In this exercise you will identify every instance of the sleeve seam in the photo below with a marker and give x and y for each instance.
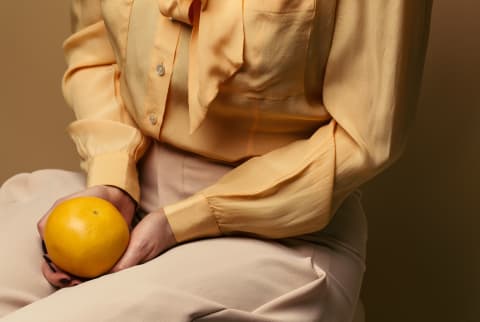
(213, 211)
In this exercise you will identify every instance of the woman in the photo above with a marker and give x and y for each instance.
(241, 130)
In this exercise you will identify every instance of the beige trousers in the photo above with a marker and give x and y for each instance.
(313, 278)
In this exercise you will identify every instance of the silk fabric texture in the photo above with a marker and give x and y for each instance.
(310, 98)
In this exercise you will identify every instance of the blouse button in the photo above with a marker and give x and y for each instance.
(160, 70)
(153, 119)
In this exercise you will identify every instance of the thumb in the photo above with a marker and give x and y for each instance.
(134, 254)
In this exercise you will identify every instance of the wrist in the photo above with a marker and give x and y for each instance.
(116, 193)
(121, 199)
(167, 233)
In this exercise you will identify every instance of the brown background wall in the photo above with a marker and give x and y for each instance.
(424, 212)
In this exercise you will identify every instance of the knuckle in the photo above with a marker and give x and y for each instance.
(41, 226)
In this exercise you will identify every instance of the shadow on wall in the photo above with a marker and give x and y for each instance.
(424, 214)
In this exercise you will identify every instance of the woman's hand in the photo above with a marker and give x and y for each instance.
(152, 236)
(120, 199)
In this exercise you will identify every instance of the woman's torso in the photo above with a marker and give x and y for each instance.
(271, 97)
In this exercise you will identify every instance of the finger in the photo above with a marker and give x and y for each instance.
(134, 255)
(56, 277)
(44, 247)
(149, 238)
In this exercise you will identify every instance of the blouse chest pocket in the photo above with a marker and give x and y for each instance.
(275, 49)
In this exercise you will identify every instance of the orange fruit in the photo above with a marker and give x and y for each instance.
(86, 236)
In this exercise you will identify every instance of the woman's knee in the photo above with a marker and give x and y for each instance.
(25, 186)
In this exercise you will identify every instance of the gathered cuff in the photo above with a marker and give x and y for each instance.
(192, 218)
(116, 169)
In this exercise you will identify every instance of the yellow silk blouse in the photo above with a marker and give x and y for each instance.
(310, 98)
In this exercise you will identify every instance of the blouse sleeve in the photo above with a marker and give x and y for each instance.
(370, 89)
(106, 138)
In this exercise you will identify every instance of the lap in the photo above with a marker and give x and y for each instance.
(241, 279)
(24, 198)
(221, 279)
(41, 185)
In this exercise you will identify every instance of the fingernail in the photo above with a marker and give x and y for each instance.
(49, 263)
(65, 281)
(44, 247)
